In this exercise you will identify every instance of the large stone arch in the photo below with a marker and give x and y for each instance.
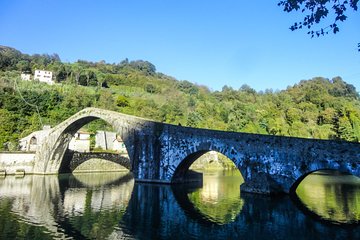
(50, 153)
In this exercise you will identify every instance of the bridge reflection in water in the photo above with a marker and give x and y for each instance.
(101, 206)
(338, 195)
(219, 198)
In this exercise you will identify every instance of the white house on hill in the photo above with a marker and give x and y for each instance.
(43, 76)
(26, 76)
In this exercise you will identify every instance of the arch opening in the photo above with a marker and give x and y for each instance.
(92, 144)
(33, 141)
(99, 165)
(199, 162)
(218, 200)
(329, 195)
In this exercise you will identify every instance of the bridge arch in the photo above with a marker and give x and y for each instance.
(179, 175)
(66, 135)
(50, 155)
(297, 182)
(78, 158)
(321, 165)
(181, 195)
(315, 191)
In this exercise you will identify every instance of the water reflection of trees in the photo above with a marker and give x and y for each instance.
(219, 198)
(331, 196)
(12, 226)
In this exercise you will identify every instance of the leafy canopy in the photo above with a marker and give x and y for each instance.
(316, 11)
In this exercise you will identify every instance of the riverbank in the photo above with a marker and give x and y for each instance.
(17, 163)
(21, 163)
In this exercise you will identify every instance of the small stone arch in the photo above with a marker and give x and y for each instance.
(179, 175)
(306, 210)
(33, 141)
(297, 182)
(79, 158)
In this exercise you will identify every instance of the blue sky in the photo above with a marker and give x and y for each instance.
(213, 43)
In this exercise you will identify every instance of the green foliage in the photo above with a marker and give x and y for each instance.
(316, 108)
(317, 12)
(151, 88)
(12, 226)
(122, 101)
(194, 119)
(105, 100)
(8, 128)
(187, 87)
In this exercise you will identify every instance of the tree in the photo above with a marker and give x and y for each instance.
(144, 66)
(8, 127)
(23, 66)
(76, 69)
(122, 101)
(106, 100)
(194, 119)
(318, 10)
(150, 88)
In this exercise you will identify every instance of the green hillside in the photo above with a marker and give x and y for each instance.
(316, 108)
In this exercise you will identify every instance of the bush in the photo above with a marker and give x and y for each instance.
(122, 101)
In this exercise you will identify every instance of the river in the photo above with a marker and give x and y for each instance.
(113, 206)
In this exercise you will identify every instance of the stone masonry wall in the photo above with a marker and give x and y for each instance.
(11, 162)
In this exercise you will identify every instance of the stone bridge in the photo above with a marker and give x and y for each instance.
(162, 153)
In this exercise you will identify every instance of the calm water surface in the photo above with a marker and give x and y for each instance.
(331, 196)
(112, 206)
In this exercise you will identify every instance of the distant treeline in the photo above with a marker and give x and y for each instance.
(316, 108)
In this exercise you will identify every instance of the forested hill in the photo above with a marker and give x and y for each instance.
(316, 108)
